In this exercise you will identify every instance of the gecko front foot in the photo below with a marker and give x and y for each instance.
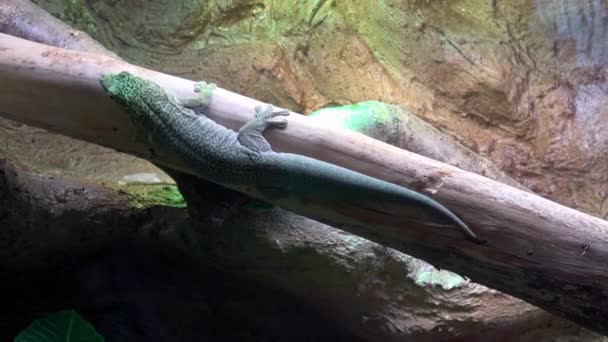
(205, 91)
(201, 101)
(271, 118)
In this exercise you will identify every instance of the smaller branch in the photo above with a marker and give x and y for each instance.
(17, 16)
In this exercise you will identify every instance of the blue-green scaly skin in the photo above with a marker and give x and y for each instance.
(215, 154)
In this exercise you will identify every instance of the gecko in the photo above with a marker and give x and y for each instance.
(244, 161)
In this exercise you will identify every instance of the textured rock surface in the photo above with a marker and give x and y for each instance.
(42, 151)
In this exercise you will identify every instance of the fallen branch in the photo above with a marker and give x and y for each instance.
(23, 18)
(540, 251)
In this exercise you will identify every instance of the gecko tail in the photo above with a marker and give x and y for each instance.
(463, 226)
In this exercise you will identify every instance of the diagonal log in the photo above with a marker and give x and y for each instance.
(545, 253)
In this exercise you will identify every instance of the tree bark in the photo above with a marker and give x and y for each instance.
(17, 16)
(545, 253)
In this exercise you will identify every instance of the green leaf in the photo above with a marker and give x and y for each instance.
(62, 326)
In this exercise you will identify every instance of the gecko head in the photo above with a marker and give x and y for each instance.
(120, 86)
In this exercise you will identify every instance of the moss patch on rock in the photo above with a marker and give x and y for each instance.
(147, 195)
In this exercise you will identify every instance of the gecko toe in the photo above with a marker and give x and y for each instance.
(202, 87)
(263, 112)
(283, 112)
(277, 123)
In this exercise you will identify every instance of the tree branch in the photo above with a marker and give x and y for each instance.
(17, 18)
(540, 251)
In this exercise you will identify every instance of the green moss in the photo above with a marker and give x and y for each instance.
(359, 116)
(74, 12)
(430, 276)
(147, 195)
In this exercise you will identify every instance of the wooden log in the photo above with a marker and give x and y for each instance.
(540, 251)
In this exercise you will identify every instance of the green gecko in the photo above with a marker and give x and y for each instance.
(244, 161)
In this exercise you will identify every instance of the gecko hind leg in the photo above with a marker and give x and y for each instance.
(270, 118)
(250, 135)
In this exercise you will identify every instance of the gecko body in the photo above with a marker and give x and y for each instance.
(244, 161)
